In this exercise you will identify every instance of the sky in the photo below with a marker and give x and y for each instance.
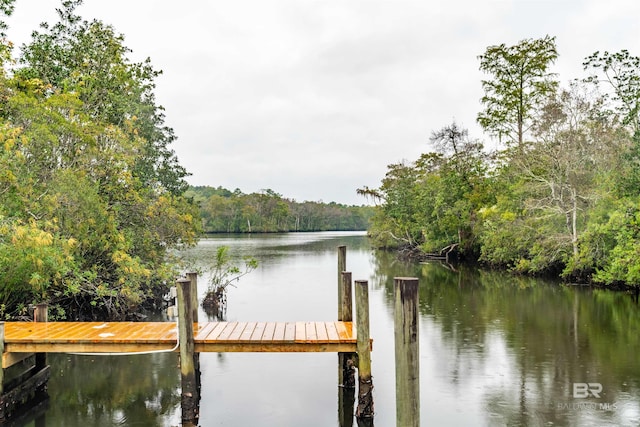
(313, 99)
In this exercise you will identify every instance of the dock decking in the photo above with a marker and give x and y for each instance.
(122, 337)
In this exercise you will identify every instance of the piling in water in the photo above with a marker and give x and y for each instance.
(190, 397)
(365, 390)
(346, 361)
(407, 351)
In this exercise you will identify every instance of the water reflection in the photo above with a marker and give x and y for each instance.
(512, 348)
(495, 349)
(113, 390)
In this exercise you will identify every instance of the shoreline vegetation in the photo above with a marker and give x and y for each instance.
(559, 197)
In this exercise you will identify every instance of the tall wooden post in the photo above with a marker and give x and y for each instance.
(41, 314)
(190, 398)
(365, 391)
(346, 368)
(342, 266)
(346, 363)
(193, 279)
(407, 351)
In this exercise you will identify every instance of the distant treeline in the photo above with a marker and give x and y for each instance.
(225, 211)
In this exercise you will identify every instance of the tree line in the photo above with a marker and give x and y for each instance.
(225, 211)
(91, 194)
(561, 194)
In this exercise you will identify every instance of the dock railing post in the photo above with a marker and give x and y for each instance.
(346, 362)
(41, 314)
(342, 266)
(407, 351)
(190, 397)
(365, 383)
(193, 279)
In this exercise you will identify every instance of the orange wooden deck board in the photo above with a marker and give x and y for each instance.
(246, 333)
(237, 336)
(215, 333)
(237, 332)
(345, 331)
(226, 333)
(202, 330)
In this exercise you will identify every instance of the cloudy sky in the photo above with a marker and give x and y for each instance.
(314, 98)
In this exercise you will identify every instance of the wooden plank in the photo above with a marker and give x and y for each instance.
(217, 331)
(345, 331)
(311, 334)
(301, 335)
(228, 330)
(321, 331)
(248, 330)
(10, 359)
(264, 347)
(201, 330)
(279, 333)
(258, 331)
(290, 332)
(237, 332)
(212, 329)
(269, 332)
(332, 332)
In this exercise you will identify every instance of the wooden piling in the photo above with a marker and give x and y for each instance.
(407, 351)
(346, 361)
(365, 391)
(41, 314)
(342, 266)
(193, 279)
(189, 397)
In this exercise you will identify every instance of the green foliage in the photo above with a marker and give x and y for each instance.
(91, 198)
(564, 201)
(611, 245)
(433, 202)
(519, 85)
(224, 272)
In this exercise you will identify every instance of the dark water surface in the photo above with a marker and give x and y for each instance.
(495, 349)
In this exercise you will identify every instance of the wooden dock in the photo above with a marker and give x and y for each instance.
(125, 337)
(24, 346)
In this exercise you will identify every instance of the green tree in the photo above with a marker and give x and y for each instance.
(91, 226)
(519, 85)
(619, 73)
(90, 60)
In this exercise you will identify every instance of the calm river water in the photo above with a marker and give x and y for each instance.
(496, 350)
